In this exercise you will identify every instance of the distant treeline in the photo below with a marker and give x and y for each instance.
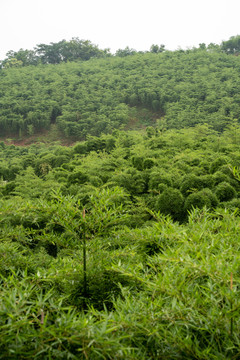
(76, 49)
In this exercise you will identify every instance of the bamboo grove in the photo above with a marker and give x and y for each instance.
(125, 243)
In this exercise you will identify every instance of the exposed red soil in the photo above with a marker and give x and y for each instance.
(41, 137)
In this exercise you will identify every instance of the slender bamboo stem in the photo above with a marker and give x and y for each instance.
(84, 259)
(231, 288)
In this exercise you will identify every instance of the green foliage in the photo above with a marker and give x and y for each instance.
(232, 205)
(77, 177)
(157, 49)
(220, 177)
(125, 52)
(148, 163)
(132, 180)
(171, 202)
(231, 46)
(190, 184)
(152, 288)
(54, 53)
(200, 199)
(29, 185)
(224, 191)
(159, 177)
(81, 98)
(138, 162)
(80, 148)
(217, 164)
(121, 246)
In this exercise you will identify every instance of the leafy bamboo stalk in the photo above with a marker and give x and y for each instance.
(84, 257)
(231, 288)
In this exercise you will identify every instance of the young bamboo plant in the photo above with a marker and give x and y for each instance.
(105, 213)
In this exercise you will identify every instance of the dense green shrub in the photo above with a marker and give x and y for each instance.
(148, 163)
(200, 199)
(8, 188)
(80, 148)
(195, 161)
(157, 177)
(183, 167)
(219, 177)
(204, 166)
(232, 205)
(77, 177)
(104, 285)
(95, 144)
(95, 181)
(224, 191)
(171, 202)
(207, 181)
(132, 180)
(191, 183)
(225, 169)
(138, 162)
(218, 163)
(162, 187)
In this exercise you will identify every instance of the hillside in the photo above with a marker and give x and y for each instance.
(123, 243)
(99, 95)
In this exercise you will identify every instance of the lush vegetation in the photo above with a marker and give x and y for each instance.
(122, 247)
(99, 95)
(125, 244)
(54, 53)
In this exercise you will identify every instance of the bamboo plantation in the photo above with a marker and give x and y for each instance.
(124, 244)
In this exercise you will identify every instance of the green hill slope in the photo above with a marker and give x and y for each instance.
(99, 95)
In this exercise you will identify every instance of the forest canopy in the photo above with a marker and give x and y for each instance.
(182, 88)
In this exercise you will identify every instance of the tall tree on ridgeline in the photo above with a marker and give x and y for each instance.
(54, 53)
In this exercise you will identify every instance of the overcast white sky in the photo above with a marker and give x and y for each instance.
(116, 24)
